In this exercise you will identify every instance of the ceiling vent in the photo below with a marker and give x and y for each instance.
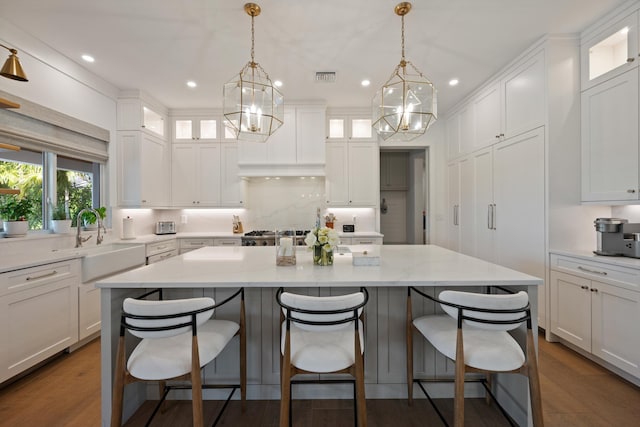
(326, 76)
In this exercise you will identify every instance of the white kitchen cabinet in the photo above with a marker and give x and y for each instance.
(508, 106)
(496, 194)
(143, 160)
(229, 241)
(352, 174)
(137, 114)
(609, 51)
(460, 132)
(205, 175)
(350, 126)
(191, 244)
(197, 128)
(195, 175)
(594, 310)
(361, 240)
(38, 314)
(159, 251)
(296, 149)
(609, 119)
(89, 321)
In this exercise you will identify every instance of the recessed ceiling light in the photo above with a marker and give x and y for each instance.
(278, 83)
(454, 82)
(365, 83)
(192, 84)
(88, 58)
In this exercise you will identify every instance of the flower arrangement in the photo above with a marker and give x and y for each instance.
(323, 242)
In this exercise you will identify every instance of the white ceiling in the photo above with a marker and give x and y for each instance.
(157, 45)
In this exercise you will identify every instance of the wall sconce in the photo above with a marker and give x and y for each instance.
(12, 68)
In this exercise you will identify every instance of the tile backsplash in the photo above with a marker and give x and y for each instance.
(288, 202)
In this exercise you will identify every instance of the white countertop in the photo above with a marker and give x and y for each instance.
(20, 261)
(400, 265)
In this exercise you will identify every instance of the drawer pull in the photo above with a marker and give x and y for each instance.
(161, 247)
(228, 243)
(602, 273)
(584, 287)
(53, 273)
(594, 290)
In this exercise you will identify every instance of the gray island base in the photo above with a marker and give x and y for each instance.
(217, 271)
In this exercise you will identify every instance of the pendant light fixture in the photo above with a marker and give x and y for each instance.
(12, 68)
(405, 106)
(252, 106)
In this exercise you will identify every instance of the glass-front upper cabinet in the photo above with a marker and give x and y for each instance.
(610, 52)
(152, 121)
(342, 127)
(204, 129)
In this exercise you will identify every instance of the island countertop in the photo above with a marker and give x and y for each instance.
(400, 265)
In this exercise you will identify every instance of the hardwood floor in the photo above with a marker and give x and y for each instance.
(575, 393)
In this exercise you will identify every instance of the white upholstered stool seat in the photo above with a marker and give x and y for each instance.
(490, 350)
(322, 352)
(170, 357)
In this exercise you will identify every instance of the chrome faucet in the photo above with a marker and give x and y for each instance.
(79, 239)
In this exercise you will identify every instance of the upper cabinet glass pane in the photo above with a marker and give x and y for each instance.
(336, 128)
(609, 54)
(361, 128)
(208, 129)
(153, 121)
(183, 129)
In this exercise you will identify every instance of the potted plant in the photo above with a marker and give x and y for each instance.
(14, 212)
(89, 218)
(60, 222)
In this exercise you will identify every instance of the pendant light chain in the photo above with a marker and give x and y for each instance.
(402, 38)
(252, 40)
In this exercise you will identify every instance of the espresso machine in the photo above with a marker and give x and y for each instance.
(616, 237)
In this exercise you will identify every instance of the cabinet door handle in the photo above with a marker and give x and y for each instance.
(489, 216)
(53, 273)
(493, 216)
(588, 270)
(631, 59)
(631, 190)
(594, 290)
(584, 287)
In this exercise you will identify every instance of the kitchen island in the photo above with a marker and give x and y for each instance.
(217, 271)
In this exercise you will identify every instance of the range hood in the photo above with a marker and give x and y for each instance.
(250, 170)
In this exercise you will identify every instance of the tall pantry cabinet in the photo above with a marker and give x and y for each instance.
(512, 141)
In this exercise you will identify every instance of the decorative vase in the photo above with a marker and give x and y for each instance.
(61, 226)
(15, 228)
(322, 257)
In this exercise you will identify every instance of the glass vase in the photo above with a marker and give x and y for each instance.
(322, 257)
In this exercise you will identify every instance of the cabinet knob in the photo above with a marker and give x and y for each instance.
(631, 59)
(631, 190)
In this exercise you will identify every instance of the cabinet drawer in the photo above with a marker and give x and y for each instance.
(160, 247)
(195, 243)
(623, 276)
(226, 242)
(162, 256)
(29, 278)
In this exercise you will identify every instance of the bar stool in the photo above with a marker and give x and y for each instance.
(322, 335)
(482, 345)
(178, 340)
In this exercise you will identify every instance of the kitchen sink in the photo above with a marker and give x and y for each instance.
(104, 260)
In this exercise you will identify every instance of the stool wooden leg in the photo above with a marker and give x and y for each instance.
(534, 382)
(118, 386)
(196, 385)
(285, 383)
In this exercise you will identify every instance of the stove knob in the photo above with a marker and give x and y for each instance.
(264, 243)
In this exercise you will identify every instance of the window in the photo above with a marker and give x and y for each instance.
(75, 182)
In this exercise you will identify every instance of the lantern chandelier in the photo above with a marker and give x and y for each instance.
(252, 105)
(405, 106)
